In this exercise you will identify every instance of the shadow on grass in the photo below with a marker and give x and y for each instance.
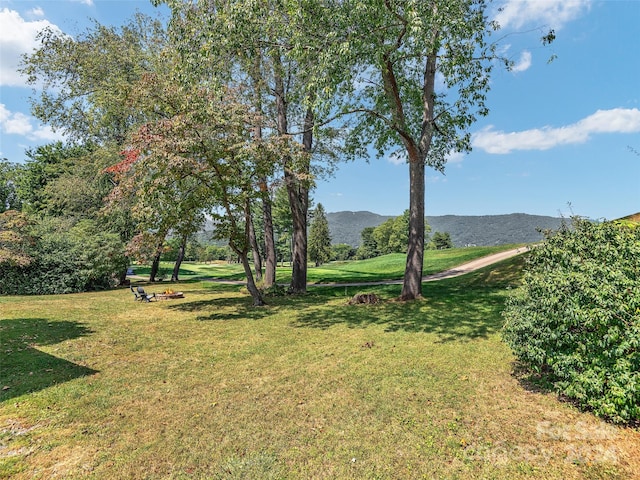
(24, 368)
(450, 313)
(186, 275)
(239, 308)
(462, 308)
(536, 382)
(353, 276)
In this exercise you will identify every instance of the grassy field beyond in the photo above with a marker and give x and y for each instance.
(98, 386)
(386, 267)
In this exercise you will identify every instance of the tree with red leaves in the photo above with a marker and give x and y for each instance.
(203, 156)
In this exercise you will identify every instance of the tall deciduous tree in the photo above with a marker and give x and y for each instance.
(87, 80)
(416, 76)
(203, 148)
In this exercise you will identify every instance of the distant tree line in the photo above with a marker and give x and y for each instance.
(391, 237)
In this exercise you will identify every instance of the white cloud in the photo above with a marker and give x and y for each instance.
(617, 120)
(4, 113)
(36, 12)
(524, 63)
(17, 123)
(17, 37)
(552, 13)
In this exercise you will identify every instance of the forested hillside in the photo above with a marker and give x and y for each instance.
(346, 226)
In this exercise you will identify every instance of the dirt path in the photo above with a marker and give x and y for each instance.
(453, 272)
(475, 264)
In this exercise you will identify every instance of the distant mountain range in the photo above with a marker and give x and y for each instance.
(345, 227)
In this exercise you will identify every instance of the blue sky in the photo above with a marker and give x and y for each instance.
(559, 133)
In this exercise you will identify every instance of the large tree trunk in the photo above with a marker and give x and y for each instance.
(417, 154)
(298, 190)
(258, 301)
(412, 283)
(257, 259)
(298, 199)
(176, 266)
(243, 256)
(269, 238)
(155, 266)
(295, 181)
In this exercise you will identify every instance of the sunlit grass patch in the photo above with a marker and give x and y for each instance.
(391, 266)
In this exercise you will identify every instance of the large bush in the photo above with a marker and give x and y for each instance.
(63, 258)
(576, 318)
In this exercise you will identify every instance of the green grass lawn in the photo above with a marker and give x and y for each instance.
(96, 385)
(391, 267)
(386, 267)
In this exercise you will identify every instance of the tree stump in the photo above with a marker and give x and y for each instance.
(364, 298)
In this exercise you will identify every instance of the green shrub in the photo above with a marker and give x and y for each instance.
(65, 258)
(576, 318)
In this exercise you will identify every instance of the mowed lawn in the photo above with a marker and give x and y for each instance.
(385, 267)
(96, 385)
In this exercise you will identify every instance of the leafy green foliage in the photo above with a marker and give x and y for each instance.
(46, 165)
(61, 242)
(342, 252)
(14, 239)
(64, 258)
(319, 237)
(88, 80)
(65, 180)
(368, 247)
(8, 196)
(441, 240)
(576, 318)
(390, 236)
(382, 236)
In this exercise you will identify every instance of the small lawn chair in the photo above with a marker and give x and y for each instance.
(136, 297)
(144, 296)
